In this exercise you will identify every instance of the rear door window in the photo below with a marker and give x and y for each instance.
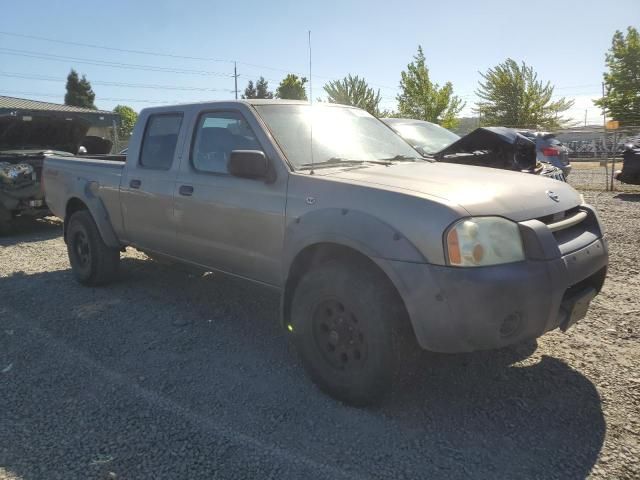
(160, 141)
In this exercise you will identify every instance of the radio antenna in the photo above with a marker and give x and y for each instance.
(310, 106)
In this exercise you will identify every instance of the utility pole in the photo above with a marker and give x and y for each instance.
(235, 77)
(604, 135)
(310, 79)
(585, 117)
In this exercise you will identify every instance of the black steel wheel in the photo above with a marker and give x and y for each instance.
(92, 261)
(342, 318)
(338, 335)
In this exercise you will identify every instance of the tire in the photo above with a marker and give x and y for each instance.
(6, 223)
(93, 263)
(6, 228)
(343, 318)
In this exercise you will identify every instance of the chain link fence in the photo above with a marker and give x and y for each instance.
(595, 153)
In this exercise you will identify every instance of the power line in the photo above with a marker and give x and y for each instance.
(114, 84)
(172, 55)
(104, 63)
(131, 100)
(114, 49)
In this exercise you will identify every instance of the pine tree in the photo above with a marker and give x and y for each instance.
(259, 90)
(79, 91)
(250, 91)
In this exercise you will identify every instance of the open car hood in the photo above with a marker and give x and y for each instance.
(42, 131)
(497, 147)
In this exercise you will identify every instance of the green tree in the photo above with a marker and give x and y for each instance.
(354, 91)
(260, 90)
(512, 96)
(422, 99)
(622, 81)
(79, 91)
(250, 91)
(128, 118)
(292, 88)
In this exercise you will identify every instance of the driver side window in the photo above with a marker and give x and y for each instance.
(218, 134)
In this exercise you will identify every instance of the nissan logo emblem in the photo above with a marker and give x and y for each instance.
(553, 196)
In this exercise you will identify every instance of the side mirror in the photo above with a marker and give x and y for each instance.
(249, 164)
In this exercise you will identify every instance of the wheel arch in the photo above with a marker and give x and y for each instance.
(317, 253)
(99, 214)
(346, 234)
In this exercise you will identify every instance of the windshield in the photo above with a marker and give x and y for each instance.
(340, 135)
(430, 137)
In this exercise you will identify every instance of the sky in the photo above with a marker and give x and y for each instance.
(564, 40)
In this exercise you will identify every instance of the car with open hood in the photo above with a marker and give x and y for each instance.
(495, 147)
(25, 141)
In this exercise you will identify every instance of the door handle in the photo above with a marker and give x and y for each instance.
(135, 183)
(186, 190)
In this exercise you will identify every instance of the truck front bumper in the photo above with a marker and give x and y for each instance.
(455, 309)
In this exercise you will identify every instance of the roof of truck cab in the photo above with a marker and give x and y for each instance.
(251, 101)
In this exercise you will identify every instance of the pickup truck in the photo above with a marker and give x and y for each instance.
(371, 245)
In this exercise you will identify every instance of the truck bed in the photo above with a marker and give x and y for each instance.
(97, 176)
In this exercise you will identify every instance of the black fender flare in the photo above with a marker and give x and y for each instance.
(351, 228)
(85, 191)
(359, 231)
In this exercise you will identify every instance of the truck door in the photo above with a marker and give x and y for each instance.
(224, 222)
(146, 190)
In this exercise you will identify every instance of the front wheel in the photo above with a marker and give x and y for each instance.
(92, 261)
(343, 317)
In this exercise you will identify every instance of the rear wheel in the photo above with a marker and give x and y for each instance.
(343, 318)
(5, 221)
(92, 261)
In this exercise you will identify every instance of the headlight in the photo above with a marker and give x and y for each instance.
(482, 241)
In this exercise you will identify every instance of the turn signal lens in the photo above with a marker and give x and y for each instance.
(454, 247)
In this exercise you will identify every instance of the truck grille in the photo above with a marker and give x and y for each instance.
(573, 228)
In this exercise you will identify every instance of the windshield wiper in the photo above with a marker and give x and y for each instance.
(334, 161)
(400, 158)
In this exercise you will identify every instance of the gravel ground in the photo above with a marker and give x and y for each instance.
(167, 374)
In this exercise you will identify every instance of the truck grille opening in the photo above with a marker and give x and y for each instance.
(560, 216)
(573, 228)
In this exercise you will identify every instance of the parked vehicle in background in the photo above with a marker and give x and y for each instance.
(550, 150)
(25, 141)
(372, 246)
(630, 172)
(494, 147)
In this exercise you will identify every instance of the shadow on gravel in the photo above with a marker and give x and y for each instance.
(30, 230)
(181, 369)
(628, 197)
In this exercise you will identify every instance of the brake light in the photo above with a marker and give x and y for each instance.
(550, 152)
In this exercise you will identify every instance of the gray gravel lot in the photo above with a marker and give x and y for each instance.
(168, 374)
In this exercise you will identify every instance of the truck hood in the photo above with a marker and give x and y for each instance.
(42, 132)
(478, 190)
